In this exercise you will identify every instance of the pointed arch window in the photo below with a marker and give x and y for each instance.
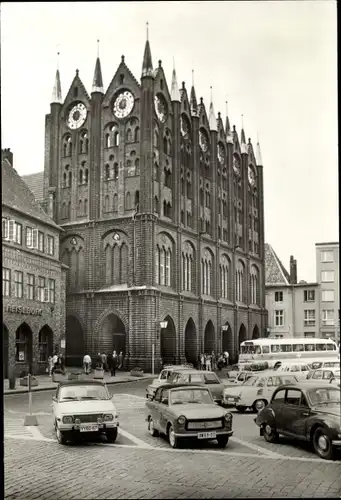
(107, 141)
(115, 171)
(157, 265)
(165, 145)
(162, 265)
(85, 206)
(115, 202)
(128, 201)
(69, 210)
(137, 166)
(129, 135)
(70, 179)
(165, 208)
(107, 171)
(156, 139)
(106, 203)
(64, 180)
(156, 172)
(137, 134)
(156, 205)
(81, 176)
(86, 179)
(168, 177)
(137, 199)
(167, 267)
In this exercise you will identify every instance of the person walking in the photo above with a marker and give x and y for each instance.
(202, 361)
(55, 360)
(50, 365)
(99, 364)
(87, 364)
(114, 363)
(213, 361)
(209, 362)
(104, 361)
(226, 357)
(61, 362)
(120, 360)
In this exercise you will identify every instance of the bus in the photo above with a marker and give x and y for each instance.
(289, 349)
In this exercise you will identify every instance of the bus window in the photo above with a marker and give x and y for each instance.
(265, 349)
(331, 347)
(298, 348)
(320, 347)
(258, 350)
(309, 347)
(275, 348)
(286, 348)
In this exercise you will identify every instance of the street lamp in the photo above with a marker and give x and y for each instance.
(163, 325)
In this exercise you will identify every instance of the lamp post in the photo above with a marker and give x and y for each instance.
(162, 325)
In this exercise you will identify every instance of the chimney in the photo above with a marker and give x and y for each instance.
(6, 154)
(293, 270)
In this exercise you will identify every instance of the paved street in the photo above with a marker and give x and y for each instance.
(140, 466)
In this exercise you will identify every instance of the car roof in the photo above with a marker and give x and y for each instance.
(181, 386)
(304, 385)
(81, 382)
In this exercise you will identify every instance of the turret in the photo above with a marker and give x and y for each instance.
(57, 89)
(147, 65)
(97, 83)
(212, 121)
(193, 99)
(175, 94)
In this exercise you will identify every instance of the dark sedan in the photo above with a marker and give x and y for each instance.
(308, 411)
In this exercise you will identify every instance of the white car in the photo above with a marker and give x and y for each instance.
(163, 377)
(324, 374)
(256, 392)
(300, 369)
(83, 408)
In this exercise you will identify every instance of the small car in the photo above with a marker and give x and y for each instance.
(83, 408)
(308, 411)
(187, 411)
(200, 377)
(240, 378)
(163, 377)
(298, 368)
(256, 392)
(325, 364)
(323, 374)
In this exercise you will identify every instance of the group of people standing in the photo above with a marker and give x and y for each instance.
(212, 361)
(56, 362)
(107, 362)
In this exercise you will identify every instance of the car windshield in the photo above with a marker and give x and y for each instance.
(325, 395)
(251, 381)
(81, 392)
(211, 378)
(185, 396)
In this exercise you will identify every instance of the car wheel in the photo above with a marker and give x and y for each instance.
(241, 409)
(111, 435)
(259, 404)
(222, 441)
(61, 436)
(270, 434)
(322, 444)
(173, 440)
(151, 429)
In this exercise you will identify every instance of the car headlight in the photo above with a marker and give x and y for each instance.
(228, 416)
(181, 420)
(68, 419)
(108, 417)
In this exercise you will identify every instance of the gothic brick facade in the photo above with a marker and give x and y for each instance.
(162, 208)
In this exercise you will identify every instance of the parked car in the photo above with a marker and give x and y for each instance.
(306, 411)
(187, 412)
(314, 365)
(200, 377)
(324, 374)
(300, 369)
(83, 408)
(256, 392)
(163, 377)
(240, 378)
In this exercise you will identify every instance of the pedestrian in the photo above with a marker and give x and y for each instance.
(99, 364)
(120, 360)
(87, 363)
(226, 357)
(198, 362)
(61, 363)
(202, 361)
(104, 361)
(55, 360)
(208, 362)
(214, 361)
(114, 363)
(49, 365)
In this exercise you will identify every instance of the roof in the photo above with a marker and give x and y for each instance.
(17, 195)
(181, 386)
(82, 382)
(288, 340)
(35, 183)
(275, 272)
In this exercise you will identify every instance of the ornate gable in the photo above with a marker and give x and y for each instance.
(77, 92)
(251, 155)
(123, 78)
(275, 272)
(220, 128)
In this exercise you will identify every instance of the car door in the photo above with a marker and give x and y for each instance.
(55, 404)
(154, 408)
(276, 407)
(163, 410)
(295, 414)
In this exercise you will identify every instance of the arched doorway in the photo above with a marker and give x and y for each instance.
(5, 349)
(242, 334)
(191, 342)
(74, 342)
(23, 345)
(209, 338)
(45, 344)
(113, 335)
(227, 343)
(168, 342)
(255, 332)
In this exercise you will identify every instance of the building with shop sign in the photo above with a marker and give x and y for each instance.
(162, 209)
(33, 278)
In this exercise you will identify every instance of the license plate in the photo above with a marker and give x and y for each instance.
(89, 428)
(207, 435)
(231, 400)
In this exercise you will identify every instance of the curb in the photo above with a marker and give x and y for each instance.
(41, 389)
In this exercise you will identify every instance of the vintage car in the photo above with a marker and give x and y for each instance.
(334, 363)
(163, 377)
(187, 412)
(200, 377)
(83, 408)
(240, 378)
(300, 369)
(256, 392)
(324, 374)
(306, 411)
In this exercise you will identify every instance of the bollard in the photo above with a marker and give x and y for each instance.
(30, 419)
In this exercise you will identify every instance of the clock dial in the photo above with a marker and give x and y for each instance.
(221, 153)
(184, 127)
(251, 176)
(123, 104)
(73, 241)
(236, 165)
(77, 116)
(203, 141)
(116, 237)
(160, 107)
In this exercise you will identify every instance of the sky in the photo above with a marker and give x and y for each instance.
(274, 62)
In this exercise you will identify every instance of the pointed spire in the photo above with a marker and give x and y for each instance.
(57, 89)
(147, 66)
(97, 83)
(175, 94)
(259, 160)
(242, 135)
(227, 123)
(193, 98)
(212, 121)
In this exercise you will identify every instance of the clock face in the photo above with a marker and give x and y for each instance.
(221, 153)
(203, 141)
(160, 107)
(236, 165)
(77, 116)
(184, 127)
(251, 176)
(116, 237)
(123, 104)
(73, 241)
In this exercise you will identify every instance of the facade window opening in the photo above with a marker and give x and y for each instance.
(165, 145)
(129, 135)
(70, 179)
(137, 166)
(86, 176)
(156, 205)
(137, 134)
(121, 79)
(107, 171)
(115, 171)
(107, 141)
(81, 176)
(75, 92)
(137, 199)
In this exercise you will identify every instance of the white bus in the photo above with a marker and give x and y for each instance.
(274, 350)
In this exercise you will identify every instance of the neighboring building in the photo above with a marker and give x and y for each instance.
(327, 275)
(293, 308)
(33, 278)
(162, 207)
